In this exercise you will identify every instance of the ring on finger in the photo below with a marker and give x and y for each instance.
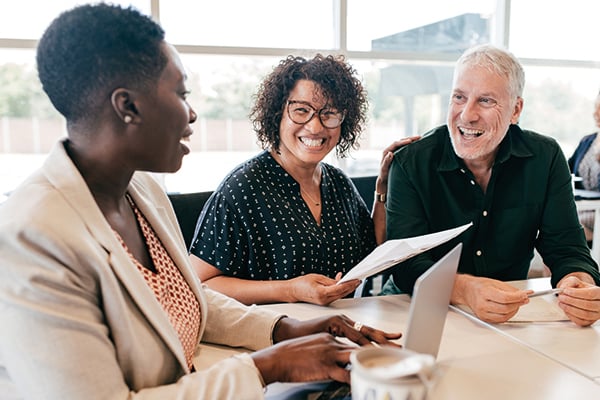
(358, 326)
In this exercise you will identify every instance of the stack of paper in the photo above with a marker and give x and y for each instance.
(395, 251)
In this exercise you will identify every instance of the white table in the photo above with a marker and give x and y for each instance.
(476, 360)
(566, 343)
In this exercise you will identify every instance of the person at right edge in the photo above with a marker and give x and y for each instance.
(585, 163)
(513, 184)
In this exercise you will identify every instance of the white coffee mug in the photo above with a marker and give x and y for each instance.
(389, 373)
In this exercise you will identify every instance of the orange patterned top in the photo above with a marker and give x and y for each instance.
(170, 288)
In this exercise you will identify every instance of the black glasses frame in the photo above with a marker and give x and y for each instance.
(319, 113)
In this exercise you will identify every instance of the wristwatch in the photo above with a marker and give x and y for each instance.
(380, 197)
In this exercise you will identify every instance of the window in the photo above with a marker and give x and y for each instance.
(563, 30)
(427, 26)
(559, 102)
(404, 54)
(258, 23)
(27, 19)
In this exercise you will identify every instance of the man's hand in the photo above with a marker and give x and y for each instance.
(580, 298)
(491, 300)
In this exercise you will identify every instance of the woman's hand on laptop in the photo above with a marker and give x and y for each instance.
(303, 359)
(308, 350)
(336, 325)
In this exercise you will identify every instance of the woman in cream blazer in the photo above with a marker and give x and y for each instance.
(70, 297)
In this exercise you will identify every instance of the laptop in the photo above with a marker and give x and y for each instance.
(429, 304)
(426, 319)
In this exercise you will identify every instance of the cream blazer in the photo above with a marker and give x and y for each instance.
(77, 319)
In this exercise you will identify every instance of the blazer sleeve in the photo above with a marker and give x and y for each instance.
(65, 319)
(225, 328)
(56, 344)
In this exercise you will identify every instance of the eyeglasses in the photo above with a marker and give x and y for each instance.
(301, 112)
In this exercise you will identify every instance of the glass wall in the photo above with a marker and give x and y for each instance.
(428, 26)
(262, 23)
(561, 30)
(404, 55)
(27, 19)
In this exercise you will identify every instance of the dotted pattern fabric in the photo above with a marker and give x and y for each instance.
(170, 288)
(257, 226)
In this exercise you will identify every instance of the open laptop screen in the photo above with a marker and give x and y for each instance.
(429, 304)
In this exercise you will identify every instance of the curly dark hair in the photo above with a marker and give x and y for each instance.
(337, 83)
(90, 50)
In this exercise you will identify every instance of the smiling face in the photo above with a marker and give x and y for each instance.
(480, 113)
(306, 144)
(165, 117)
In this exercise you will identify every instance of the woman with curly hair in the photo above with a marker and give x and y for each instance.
(284, 226)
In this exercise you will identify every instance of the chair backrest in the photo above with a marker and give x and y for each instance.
(366, 188)
(187, 208)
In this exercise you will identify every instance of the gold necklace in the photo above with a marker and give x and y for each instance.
(282, 163)
(317, 203)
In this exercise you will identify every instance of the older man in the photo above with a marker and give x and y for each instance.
(513, 184)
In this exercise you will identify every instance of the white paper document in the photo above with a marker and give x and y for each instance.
(539, 309)
(395, 251)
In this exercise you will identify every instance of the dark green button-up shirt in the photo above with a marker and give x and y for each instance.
(528, 203)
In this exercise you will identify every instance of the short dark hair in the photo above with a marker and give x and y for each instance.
(90, 50)
(337, 81)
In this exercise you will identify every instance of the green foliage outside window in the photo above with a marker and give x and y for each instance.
(21, 95)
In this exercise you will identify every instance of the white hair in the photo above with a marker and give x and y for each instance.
(498, 60)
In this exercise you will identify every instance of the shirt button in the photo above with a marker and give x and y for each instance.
(462, 170)
(478, 252)
(485, 213)
(472, 182)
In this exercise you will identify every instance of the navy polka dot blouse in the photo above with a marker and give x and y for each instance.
(257, 226)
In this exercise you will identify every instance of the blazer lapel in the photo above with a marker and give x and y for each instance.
(63, 174)
(164, 224)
